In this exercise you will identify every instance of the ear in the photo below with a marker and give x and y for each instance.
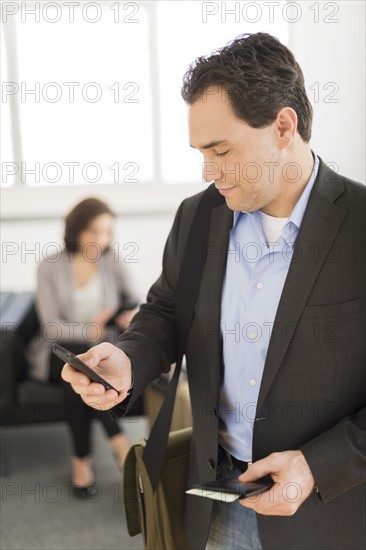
(286, 126)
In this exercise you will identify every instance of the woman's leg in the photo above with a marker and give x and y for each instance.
(79, 420)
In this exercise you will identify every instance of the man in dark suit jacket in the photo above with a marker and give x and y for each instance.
(251, 119)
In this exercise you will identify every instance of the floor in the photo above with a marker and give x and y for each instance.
(37, 507)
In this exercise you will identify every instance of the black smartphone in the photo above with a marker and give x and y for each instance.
(231, 489)
(69, 357)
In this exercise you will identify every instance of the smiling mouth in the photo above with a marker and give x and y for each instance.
(225, 190)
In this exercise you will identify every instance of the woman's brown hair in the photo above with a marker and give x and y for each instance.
(80, 217)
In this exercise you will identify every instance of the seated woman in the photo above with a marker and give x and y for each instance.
(77, 293)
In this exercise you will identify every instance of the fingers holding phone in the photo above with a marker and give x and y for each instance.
(111, 373)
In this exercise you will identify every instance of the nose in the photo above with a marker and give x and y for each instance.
(210, 171)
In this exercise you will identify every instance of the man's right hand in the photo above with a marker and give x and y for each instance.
(109, 362)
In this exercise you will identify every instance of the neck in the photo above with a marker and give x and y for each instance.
(296, 172)
(87, 260)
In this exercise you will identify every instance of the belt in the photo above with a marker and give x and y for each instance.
(243, 466)
(232, 460)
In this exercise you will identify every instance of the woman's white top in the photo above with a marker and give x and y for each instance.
(88, 299)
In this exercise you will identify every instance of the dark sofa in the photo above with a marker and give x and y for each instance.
(22, 400)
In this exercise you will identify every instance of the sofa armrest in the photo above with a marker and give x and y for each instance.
(17, 325)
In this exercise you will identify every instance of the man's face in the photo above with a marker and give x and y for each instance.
(242, 161)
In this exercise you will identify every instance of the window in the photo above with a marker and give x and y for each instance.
(96, 87)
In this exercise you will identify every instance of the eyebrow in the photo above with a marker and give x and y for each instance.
(211, 144)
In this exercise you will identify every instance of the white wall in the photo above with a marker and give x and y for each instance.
(335, 53)
(328, 52)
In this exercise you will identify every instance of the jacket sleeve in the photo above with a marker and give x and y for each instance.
(337, 457)
(150, 339)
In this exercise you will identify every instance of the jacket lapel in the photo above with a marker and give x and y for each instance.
(320, 225)
(221, 223)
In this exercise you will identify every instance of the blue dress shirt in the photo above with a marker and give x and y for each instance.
(255, 275)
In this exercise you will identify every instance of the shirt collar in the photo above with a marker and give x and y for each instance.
(299, 210)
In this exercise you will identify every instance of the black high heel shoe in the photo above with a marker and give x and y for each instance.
(89, 492)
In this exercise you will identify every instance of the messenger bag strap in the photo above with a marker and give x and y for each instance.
(186, 296)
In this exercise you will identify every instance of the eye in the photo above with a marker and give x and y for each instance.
(221, 154)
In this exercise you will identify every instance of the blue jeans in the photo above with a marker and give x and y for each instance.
(233, 527)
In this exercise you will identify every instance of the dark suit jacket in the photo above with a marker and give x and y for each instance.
(313, 385)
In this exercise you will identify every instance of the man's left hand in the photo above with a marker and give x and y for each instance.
(293, 480)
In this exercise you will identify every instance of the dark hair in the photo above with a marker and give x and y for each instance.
(260, 76)
(79, 218)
